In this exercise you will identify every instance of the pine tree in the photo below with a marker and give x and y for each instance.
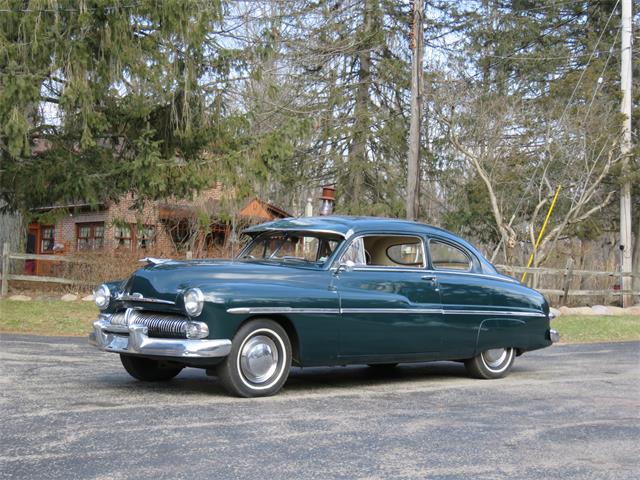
(103, 97)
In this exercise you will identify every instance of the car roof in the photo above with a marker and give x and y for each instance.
(346, 226)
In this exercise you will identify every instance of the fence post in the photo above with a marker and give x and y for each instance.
(4, 288)
(568, 273)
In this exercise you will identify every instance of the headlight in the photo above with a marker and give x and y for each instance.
(193, 302)
(102, 296)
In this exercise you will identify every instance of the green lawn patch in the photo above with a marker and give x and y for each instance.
(595, 328)
(47, 317)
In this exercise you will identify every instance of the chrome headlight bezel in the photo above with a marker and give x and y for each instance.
(102, 297)
(193, 301)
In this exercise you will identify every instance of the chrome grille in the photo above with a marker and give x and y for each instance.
(159, 324)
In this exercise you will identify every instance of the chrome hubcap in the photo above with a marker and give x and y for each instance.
(494, 357)
(259, 359)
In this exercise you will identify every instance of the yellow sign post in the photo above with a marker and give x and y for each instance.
(544, 225)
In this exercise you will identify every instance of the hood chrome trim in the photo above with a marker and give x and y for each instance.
(136, 297)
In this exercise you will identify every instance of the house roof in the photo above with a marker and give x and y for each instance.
(257, 208)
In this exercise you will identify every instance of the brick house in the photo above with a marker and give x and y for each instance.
(164, 227)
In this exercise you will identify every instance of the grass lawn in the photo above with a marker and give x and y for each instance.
(594, 328)
(47, 317)
(55, 317)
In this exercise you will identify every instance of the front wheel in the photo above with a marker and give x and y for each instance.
(149, 370)
(492, 363)
(259, 361)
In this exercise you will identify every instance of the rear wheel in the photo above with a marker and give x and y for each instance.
(149, 370)
(259, 362)
(492, 363)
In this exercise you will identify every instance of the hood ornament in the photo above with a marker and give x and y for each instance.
(154, 261)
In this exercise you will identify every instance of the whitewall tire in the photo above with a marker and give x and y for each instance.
(259, 362)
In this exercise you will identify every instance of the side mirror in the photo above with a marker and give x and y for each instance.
(346, 266)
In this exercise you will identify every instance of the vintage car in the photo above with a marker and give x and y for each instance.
(321, 291)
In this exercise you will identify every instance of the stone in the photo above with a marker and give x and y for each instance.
(88, 298)
(635, 310)
(69, 297)
(20, 298)
(616, 310)
(564, 310)
(600, 310)
(579, 311)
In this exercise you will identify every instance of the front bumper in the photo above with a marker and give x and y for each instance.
(134, 339)
(554, 336)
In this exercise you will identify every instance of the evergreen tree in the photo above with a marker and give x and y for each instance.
(103, 97)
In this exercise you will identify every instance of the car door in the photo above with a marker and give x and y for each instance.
(465, 295)
(389, 303)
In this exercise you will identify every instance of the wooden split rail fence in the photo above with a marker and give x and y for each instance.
(568, 274)
(563, 293)
(7, 256)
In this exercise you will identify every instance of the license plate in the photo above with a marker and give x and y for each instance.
(119, 342)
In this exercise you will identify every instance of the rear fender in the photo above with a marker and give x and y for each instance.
(501, 332)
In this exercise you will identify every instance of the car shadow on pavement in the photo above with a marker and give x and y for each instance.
(301, 380)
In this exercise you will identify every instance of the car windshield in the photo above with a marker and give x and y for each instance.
(300, 247)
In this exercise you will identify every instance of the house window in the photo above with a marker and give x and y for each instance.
(217, 236)
(122, 235)
(47, 238)
(146, 235)
(89, 236)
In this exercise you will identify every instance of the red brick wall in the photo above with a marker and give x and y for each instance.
(66, 228)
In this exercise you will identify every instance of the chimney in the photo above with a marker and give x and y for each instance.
(327, 199)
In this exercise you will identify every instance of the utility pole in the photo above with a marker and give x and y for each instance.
(626, 246)
(413, 161)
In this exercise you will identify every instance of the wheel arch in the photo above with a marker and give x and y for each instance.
(288, 327)
(501, 333)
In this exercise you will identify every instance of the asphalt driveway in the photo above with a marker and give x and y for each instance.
(569, 411)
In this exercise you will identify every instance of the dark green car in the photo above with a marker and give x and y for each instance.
(321, 291)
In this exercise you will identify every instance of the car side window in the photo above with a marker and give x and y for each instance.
(445, 256)
(397, 251)
(355, 253)
(409, 254)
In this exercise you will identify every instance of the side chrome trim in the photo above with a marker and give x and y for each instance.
(267, 310)
(391, 310)
(327, 311)
(509, 313)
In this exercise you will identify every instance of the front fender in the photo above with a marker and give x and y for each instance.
(312, 312)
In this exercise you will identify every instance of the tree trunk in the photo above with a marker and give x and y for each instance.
(361, 124)
(413, 162)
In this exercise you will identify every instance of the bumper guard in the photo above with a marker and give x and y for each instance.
(135, 339)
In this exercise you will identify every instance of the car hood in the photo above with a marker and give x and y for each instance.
(167, 280)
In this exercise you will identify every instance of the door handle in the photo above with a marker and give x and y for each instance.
(429, 278)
